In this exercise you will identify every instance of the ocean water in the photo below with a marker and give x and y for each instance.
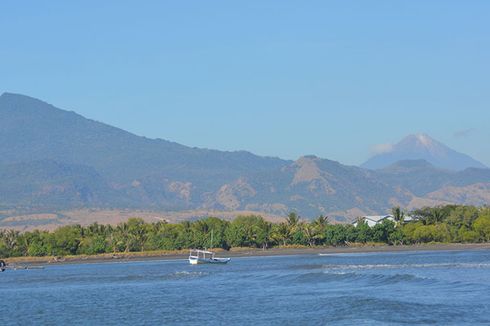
(408, 288)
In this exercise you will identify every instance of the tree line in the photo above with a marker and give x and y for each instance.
(451, 223)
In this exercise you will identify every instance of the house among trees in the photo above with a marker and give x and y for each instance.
(378, 219)
(374, 220)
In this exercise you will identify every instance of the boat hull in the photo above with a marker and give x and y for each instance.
(198, 261)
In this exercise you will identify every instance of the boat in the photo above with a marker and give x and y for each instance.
(197, 256)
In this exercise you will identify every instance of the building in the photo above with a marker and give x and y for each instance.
(378, 219)
(374, 220)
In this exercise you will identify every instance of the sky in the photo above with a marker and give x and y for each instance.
(336, 79)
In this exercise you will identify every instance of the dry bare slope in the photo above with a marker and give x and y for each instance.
(54, 161)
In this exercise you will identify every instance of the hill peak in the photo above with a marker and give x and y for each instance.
(422, 147)
(51, 159)
(421, 138)
(420, 141)
(7, 96)
(12, 103)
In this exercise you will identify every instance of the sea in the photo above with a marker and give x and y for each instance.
(391, 288)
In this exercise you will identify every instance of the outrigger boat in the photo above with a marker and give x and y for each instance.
(197, 256)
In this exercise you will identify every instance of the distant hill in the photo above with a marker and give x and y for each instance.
(421, 178)
(423, 147)
(53, 160)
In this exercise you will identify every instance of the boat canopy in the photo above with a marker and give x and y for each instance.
(197, 251)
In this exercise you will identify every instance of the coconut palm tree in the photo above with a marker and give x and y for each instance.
(437, 215)
(122, 236)
(398, 215)
(309, 233)
(279, 233)
(319, 225)
(321, 221)
(360, 220)
(294, 225)
(10, 238)
(292, 220)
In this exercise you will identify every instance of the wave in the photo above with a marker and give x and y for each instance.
(373, 279)
(380, 274)
(391, 266)
(398, 266)
(185, 275)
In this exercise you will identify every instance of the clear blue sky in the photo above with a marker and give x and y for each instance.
(279, 78)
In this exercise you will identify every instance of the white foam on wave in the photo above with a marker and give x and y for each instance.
(185, 274)
(404, 266)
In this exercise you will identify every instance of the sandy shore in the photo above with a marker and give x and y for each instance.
(237, 252)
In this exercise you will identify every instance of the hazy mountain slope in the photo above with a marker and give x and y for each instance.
(33, 130)
(310, 185)
(326, 186)
(142, 173)
(421, 178)
(53, 160)
(474, 194)
(49, 184)
(418, 176)
(423, 147)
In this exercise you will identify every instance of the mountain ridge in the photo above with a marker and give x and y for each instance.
(66, 161)
(422, 147)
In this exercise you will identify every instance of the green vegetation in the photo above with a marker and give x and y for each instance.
(437, 224)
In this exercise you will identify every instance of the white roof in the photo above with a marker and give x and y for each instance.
(377, 218)
(409, 218)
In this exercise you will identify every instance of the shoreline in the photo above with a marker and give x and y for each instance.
(238, 253)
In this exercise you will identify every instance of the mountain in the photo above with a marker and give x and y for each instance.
(33, 130)
(141, 172)
(52, 184)
(423, 147)
(56, 163)
(421, 178)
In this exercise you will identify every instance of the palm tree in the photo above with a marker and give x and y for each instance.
(293, 224)
(186, 234)
(279, 233)
(10, 238)
(360, 220)
(292, 220)
(398, 215)
(321, 221)
(122, 235)
(310, 233)
(262, 231)
(437, 214)
(319, 225)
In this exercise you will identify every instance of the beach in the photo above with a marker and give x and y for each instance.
(241, 252)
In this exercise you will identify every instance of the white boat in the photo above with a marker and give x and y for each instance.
(205, 257)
